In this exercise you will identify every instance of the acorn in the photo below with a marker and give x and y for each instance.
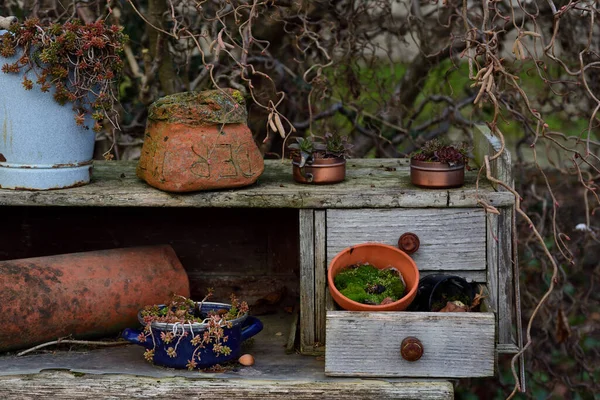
(246, 360)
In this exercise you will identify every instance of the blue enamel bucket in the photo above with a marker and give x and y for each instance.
(41, 146)
(241, 329)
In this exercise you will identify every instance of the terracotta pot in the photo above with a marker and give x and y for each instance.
(381, 256)
(320, 171)
(90, 294)
(199, 141)
(436, 174)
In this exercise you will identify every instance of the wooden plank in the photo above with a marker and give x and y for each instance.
(368, 344)
(479, 276)
(320, 274)
(516, 275)
(492, 262)
(466, 198)
(307, 280)
(371, 183)
(485, 143)
(275, 374)
(451, 239)
(505, 278)
(329, 303)
(61, 384)
(507, 348)
(501, 168)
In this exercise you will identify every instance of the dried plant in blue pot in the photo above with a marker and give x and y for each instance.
(193, 335)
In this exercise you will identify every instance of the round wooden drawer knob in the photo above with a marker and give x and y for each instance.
(409, 243)
(411, 349)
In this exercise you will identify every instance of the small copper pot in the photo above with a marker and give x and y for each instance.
(320, 171)
(437, 175)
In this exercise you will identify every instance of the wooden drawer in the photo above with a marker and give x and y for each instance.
(455, 345)
(452, 239)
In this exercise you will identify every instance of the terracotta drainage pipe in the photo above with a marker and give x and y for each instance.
(90, 294)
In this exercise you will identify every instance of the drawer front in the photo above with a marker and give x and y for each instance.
(451, 239)
(455, 345)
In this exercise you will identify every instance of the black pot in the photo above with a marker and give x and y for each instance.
(435, 290)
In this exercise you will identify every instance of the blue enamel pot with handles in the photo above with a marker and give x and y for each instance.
(241, 329)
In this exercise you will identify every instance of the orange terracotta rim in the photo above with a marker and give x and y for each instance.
(381, 256)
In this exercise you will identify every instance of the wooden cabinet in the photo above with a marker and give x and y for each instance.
(375, 203)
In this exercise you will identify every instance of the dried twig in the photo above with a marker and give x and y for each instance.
(71, 341)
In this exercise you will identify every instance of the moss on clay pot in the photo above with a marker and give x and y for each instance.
(367, 284)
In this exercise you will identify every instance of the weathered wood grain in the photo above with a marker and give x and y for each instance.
(505, 278)
(451, 239)
(517, 300)
(122, 373)
(467, 198)
(368, 344)
(320, 274)
(507, 348)
(492, 262)
(485, 143)
(307, 280)
(64, 385)
(370, 183)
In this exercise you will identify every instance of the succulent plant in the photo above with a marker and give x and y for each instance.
(80, 62)
(332, 145)
(435, 151)
(183, 311)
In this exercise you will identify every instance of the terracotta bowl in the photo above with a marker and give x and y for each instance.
(381, 256)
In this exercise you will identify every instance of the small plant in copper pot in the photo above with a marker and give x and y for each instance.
(320, 160)
(438, 165)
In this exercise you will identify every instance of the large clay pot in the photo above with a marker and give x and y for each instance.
(381, 256)
(41, 146)
(88, 294)
(199, 141)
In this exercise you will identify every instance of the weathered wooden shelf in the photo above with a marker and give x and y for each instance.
(122, 373)
(370, 183)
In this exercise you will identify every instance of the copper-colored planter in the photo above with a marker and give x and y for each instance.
(320, 171)
(436, 174)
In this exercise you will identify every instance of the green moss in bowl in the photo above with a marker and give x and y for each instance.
(367, 284)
